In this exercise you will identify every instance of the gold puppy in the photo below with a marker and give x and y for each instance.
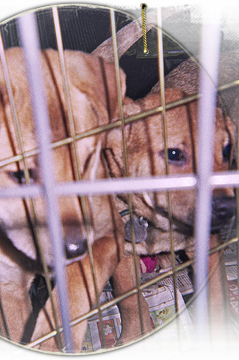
(146, 156)
(93, 96)
(185, 77)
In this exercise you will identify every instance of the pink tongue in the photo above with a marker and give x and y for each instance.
(148, 263)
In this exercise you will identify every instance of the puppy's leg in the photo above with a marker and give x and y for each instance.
(123, 281)
(46, 321)
(81, 291)
(224, 343)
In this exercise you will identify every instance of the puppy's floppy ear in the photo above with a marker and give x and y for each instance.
(114, 152)
(113, 164)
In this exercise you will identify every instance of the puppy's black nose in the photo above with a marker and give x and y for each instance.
(75, 248)
(223, 209)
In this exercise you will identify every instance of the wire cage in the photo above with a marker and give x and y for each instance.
(170, 280)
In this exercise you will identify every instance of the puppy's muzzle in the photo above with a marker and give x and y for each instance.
(223, 210)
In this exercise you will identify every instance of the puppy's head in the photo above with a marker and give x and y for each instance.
(146, 156)
(92, 102)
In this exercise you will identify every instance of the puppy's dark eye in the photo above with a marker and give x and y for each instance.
(227, 152)
(19, 176)
(176, 156)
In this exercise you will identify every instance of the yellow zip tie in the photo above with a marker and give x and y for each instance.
(143, 7)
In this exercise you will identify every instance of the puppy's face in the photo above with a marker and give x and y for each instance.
(146, 156)
(18, 217)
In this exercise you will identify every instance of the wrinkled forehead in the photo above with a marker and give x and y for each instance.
(175, 125)
(177, 118)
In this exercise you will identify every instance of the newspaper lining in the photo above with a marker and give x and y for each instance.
(160, 298)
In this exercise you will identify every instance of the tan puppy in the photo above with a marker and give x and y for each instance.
(87, 77)
(186, 77)
(146, 156)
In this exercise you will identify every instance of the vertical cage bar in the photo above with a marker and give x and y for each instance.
(209, 59)
(29, 37)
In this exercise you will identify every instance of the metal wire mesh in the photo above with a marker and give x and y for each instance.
(128, 186)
